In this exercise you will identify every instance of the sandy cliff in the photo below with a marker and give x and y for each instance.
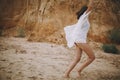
(43, 20)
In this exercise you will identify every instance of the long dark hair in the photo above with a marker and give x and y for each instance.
(81, 11)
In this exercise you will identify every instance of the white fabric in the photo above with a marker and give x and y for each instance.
(77, 32)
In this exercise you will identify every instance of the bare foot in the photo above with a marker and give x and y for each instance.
(66, 76)
(79, 74)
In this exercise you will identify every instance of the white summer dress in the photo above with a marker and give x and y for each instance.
(77, 33)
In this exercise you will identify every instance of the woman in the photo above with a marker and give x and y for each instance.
(76, 35)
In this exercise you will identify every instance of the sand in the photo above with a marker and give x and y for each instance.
(23, 60)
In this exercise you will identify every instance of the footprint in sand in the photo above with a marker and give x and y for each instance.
(32, 78)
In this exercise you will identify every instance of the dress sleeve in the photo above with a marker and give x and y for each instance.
(82, 20)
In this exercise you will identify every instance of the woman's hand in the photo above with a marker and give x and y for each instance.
(90, 6)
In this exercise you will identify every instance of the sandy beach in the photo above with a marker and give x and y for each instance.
(23, 60)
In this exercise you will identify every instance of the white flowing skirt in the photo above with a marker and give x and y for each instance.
(77, 33)
(72, 36)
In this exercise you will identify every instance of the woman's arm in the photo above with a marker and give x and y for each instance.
(90, 6)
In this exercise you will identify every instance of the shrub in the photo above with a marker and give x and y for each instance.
(109, 48)
(21, 32)
(114, 36)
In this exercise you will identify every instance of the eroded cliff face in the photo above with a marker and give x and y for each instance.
(44, 20)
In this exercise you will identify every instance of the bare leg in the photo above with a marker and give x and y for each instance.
(89, 52)
(75, 61)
